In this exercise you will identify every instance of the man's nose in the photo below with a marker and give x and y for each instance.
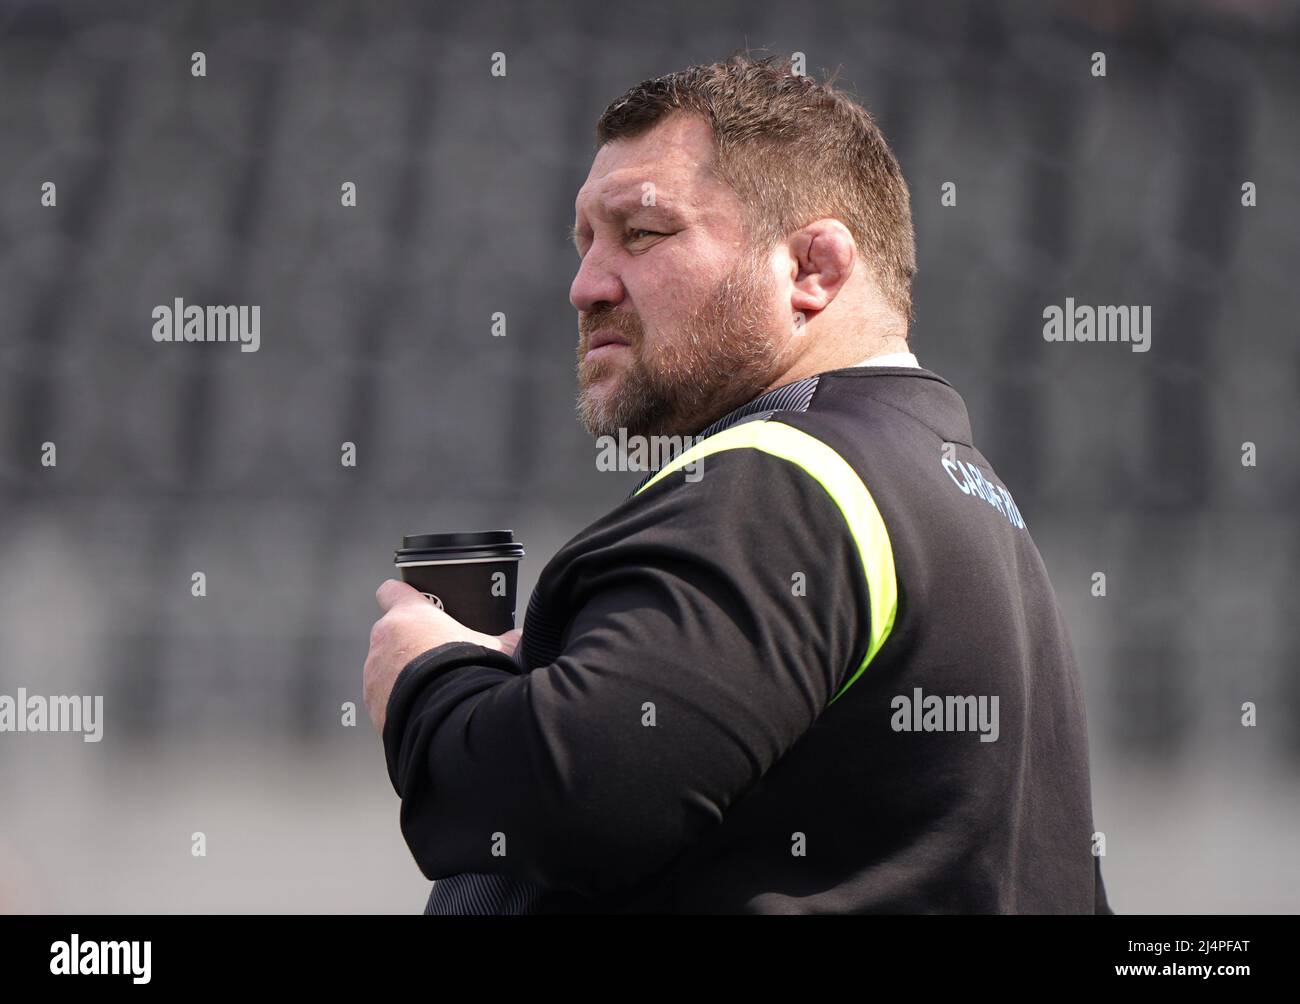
(594, 284)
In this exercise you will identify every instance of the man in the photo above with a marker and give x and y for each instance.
(814, 663)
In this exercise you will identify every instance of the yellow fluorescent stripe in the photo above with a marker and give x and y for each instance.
(842, 483)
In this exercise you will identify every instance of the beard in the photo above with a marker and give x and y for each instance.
(721, 357)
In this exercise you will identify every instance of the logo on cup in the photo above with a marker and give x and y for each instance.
(436, 602)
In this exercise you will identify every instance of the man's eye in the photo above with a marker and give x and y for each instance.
(653, 233)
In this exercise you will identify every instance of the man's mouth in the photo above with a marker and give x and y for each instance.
(604, 343)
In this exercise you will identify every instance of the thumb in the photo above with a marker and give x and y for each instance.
(510, 640)
(505, 643)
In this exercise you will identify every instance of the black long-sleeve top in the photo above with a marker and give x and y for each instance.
(821, 669)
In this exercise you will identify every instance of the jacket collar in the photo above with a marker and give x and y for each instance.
(794, 396)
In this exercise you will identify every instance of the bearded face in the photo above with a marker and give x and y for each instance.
(675, 380)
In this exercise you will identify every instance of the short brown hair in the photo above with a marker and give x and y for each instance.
(794, 151)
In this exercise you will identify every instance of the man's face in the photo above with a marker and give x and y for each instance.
(694, 310)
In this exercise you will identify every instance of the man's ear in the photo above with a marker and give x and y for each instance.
(823, 255)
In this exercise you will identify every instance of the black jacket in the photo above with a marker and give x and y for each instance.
(822, 671)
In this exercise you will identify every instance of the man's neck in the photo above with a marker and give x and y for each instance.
(811, 363)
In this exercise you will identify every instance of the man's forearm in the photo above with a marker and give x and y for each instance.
(471, 801)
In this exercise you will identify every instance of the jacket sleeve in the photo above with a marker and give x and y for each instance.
(711, 622)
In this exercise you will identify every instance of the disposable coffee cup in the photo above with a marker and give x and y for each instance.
(471, 575)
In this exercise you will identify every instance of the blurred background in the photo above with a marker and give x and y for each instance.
(222, 713)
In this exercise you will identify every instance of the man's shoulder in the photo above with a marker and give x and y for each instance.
(760, 491)
(751, 465)
(759, 480)
(754, 520)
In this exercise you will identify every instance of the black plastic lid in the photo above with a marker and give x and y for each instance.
(459, 546)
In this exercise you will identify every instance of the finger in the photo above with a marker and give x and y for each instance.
(393, 591)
